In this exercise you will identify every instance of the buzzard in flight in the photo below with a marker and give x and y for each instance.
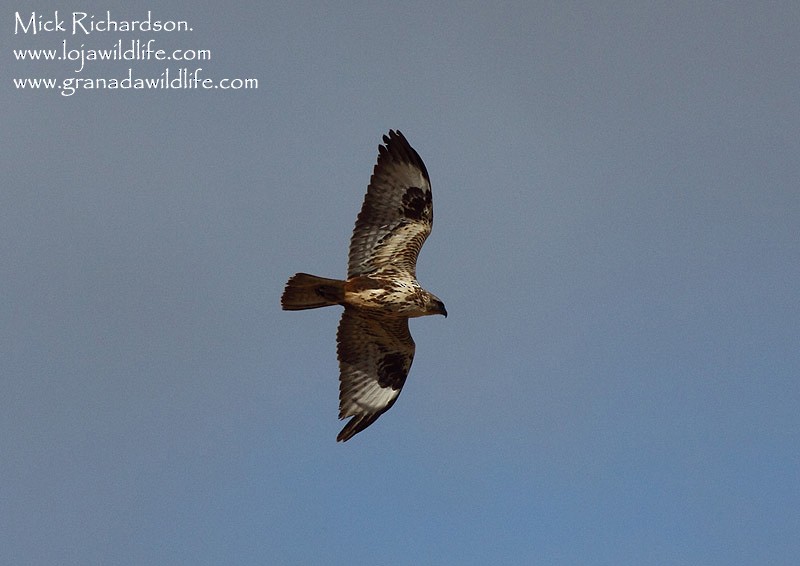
(381, 293)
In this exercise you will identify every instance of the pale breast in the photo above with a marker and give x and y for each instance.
(388, 295)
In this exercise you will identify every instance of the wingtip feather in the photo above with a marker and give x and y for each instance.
(356, 425)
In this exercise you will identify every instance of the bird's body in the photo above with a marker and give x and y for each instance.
(386, 294)
(381, 292)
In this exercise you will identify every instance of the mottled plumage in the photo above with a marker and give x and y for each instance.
(381, 292)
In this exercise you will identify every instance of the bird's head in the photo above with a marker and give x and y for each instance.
(436, 306)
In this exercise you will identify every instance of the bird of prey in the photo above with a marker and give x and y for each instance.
(381, 292)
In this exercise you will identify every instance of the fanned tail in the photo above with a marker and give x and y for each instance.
(304, 291)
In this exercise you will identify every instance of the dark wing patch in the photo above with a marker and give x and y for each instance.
(375, 355)
(392, 370)
(417, 204)
(397, 214)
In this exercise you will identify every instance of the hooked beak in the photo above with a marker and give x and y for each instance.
(441, 308)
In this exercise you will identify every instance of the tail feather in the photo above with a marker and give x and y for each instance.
(304, 291)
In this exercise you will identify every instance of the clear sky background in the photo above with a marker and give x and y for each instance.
(617, 241)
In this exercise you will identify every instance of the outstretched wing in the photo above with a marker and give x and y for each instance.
(375, 355)
(397, 214)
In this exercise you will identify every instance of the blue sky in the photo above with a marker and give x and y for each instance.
(616, 240)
